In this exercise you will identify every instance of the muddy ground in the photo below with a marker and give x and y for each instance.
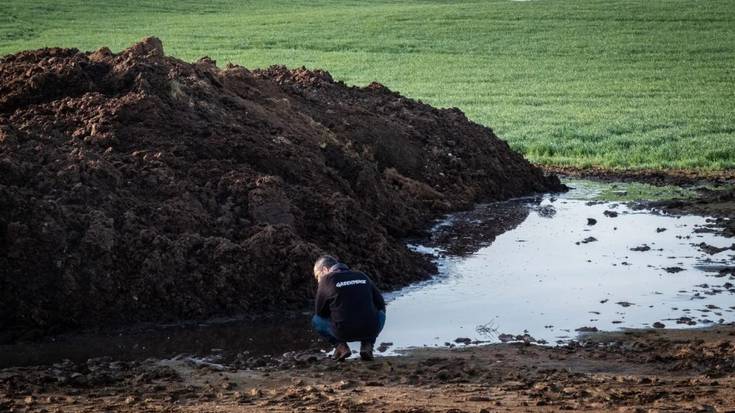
(138, 187)
(718, 204)
(636, 370)
(642, 370)
(681, 177)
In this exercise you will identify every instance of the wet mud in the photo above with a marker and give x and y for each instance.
(138, 187)
(638, 370)
(680, 177)
(214, 340)
(466, 232)
(718, 203)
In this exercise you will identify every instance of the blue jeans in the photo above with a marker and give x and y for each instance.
(323, 326)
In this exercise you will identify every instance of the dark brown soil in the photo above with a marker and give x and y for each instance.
(135, 186)
(641, 370)
(682, 177)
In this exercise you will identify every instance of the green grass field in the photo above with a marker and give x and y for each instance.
(642, 84)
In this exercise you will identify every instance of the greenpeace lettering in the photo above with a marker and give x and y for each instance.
(348, 283)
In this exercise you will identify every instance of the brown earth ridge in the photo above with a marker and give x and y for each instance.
(138, 187)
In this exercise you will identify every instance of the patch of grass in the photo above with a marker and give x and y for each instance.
(627, 191)
(634, 191)
(623, 84)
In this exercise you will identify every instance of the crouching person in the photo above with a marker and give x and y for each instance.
(348, 308)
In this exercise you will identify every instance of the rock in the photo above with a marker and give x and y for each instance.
(586, 329)
(591, 221)
(610, 214)
(658, 324)
(463, 340)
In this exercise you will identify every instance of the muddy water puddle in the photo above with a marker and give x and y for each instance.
(570, 265)
(547, 267)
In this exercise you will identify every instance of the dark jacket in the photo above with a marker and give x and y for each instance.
(351, 301)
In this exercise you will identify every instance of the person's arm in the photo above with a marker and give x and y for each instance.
(321, 307)
(377, 297)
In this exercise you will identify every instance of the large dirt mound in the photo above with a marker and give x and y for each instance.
(136, 186)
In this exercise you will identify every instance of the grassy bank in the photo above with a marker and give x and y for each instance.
(644, 84)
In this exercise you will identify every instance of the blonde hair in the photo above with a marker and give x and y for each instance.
(324, 261)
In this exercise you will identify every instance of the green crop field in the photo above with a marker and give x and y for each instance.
(620, 84)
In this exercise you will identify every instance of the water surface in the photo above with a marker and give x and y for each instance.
(555, 273)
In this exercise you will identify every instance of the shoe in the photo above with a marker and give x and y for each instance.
(342, 351)
(366, 351)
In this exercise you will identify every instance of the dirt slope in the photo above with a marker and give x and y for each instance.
(136, 186)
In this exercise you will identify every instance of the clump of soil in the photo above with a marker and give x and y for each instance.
(135, 186)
